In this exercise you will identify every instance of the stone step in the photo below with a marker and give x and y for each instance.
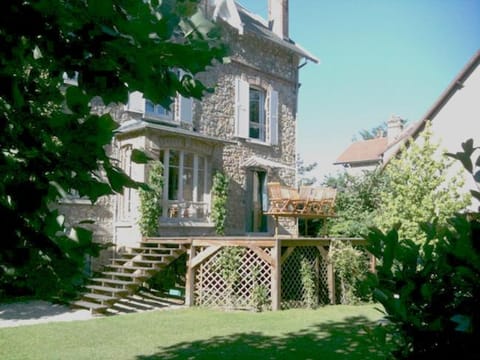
(106, 289)
(114, 281)
(141, 261)
(99, 297)
(90, 305)
(132, 268)
(144, 249)
(139, 277)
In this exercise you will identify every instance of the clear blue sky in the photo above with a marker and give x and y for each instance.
(377, 58)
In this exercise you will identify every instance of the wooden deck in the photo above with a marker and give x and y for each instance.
(271, 250)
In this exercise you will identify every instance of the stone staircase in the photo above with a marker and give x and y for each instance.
(127, 272)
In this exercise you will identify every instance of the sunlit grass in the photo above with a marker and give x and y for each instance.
(331, 332)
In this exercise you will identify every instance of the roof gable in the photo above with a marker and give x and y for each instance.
(364, 151)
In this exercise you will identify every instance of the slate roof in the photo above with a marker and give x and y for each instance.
(255, 24)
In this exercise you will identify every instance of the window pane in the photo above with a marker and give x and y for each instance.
(257, 114)
(188, 177)
(155, 109)
(173, 174)
(201, 179)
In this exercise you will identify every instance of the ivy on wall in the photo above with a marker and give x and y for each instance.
(219, 202)
(150, 206)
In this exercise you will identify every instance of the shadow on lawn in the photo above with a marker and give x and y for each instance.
(334, 340)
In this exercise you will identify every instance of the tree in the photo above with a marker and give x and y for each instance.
(419, 189)
(303, 170)
(50, 141)
(430, 291)
(376, 131)
(358, 198)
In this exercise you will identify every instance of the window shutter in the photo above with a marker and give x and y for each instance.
(136, 102)
(186, 113)
(185, 110)
(273, 117)
(242, 106)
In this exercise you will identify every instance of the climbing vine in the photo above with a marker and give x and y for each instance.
(219, 202)
(309, 284)
(150, 209)
(350, 266)
(228, 264)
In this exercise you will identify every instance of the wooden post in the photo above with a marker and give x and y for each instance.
(276, 287)
(373, 263)
(331, 283)
(190, 278)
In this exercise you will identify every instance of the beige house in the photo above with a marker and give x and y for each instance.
(454, 118)
(246, 129)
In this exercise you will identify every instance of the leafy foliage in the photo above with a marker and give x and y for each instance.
(51, 144)
(219, 202)
(303, 170)
(309, 283)
(228, 265)
(350, 266)
(420, 189)
(431, 290)
(358, 198)
(150, 201)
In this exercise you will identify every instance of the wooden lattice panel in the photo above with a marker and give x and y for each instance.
(293, 291)
(212, 290)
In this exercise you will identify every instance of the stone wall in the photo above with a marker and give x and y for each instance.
(258, 61)
(273, 67)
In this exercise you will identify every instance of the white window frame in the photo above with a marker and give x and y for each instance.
(177, 210)
(261, 125)
(269, 132)
(159, 112)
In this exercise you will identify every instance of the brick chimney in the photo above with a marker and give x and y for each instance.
(278, 17)
(394, 128)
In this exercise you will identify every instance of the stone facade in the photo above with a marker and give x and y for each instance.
(213, 139)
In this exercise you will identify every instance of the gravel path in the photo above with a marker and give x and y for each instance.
(35, 312)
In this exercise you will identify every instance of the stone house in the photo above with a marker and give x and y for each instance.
(246, 129)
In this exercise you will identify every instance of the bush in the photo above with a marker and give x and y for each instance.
(431, 290)
(350, 266)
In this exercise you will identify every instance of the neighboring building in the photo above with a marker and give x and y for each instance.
(455, 118)
(368, 154)
(246, 129)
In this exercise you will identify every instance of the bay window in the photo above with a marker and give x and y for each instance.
(186, 187)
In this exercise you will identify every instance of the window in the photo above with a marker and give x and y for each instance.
(124, 206)
(186, 187)
(180, 111)
(256, 113)
(155, 110)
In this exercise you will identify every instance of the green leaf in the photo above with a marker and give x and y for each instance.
(140, 157)
(464, 323)
(77, 101)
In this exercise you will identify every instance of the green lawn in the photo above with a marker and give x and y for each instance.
(331, 332)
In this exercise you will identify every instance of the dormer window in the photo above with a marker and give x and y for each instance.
(179, 112)
(157, 111)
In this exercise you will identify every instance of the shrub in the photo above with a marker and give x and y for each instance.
(350, 266)
(431, 290)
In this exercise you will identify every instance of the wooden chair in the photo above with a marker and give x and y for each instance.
(276, 197)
